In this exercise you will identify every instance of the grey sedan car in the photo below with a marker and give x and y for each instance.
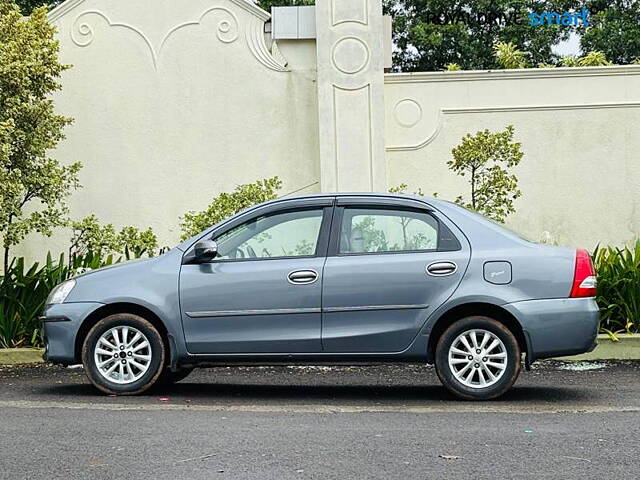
(340, 278)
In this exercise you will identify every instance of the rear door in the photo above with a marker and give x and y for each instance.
(390, 264)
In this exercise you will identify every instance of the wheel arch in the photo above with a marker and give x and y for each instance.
(122, 307)
(476, 308)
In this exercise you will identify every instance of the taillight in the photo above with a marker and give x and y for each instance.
(584, 277)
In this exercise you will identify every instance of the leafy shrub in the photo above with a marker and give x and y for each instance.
(509, 56)
(591, 59)
(102, 240)
(226, 204)
(618, 272)
(23, 293)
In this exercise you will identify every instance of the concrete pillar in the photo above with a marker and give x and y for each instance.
(351, 95)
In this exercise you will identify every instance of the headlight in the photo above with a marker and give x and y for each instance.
(61, 292)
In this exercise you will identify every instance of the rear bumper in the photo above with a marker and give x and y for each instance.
(60, 325)
(558, 327)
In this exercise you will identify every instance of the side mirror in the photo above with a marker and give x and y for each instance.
(205, 250)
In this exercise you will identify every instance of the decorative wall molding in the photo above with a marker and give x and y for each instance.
(350, 55)
(407, 112)
(502, 109)
(357, 15)
(432, 136)
(228, 31)
(360, 98)
(65, 7)
(525, 73)
(535, 108)
(227, 28)
(273, 59)
(82, 33)
(62, 9)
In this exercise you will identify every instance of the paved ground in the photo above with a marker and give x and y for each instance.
(317, 422)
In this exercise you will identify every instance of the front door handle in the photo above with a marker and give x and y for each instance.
(302, 277)
(441, 269)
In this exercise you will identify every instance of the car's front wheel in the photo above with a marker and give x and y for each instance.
(477, 358)
(123, 354)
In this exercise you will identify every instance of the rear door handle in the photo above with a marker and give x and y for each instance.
(441, 269)
(302, 277)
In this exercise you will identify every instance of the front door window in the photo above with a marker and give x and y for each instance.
(283, 235)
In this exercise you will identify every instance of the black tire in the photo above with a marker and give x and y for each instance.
(156, 348)
(453, 384)
(169, 378)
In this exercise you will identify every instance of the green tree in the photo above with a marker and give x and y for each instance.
(430, 34)
(226, 204)
(28, 6)
(486, 158)
(614, 30)
(267, 4)
(34, 185)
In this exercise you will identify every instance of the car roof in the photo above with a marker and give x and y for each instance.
(405, 196)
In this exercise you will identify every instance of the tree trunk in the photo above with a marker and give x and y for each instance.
(473, 188)
(6, 260)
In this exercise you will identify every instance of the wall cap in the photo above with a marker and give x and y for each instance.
(522, 73)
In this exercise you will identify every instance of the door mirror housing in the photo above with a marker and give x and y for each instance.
(205, 250)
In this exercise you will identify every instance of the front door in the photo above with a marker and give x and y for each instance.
(262, 294)
(387, 269)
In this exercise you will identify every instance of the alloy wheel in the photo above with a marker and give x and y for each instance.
(122, 354)
(477, 358)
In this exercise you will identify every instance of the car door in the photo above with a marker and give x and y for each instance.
(262, 293)
(390, 264)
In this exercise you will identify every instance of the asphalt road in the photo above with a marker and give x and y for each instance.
(282, 423)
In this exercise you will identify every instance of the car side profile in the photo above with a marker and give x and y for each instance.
(331, 278)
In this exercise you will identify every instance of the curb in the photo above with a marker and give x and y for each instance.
(626, 348)
(17, 356)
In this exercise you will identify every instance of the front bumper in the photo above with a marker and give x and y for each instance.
(60, 325)
(558, 327)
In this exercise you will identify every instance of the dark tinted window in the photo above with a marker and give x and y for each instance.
(376, 230)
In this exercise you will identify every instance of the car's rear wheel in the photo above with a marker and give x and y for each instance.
(477, 358)
(123, 354)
